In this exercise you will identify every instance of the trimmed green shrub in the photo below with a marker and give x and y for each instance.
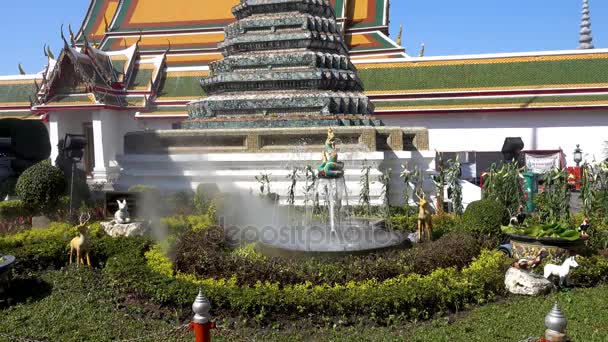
(403, 223)
(591, 271)
(206, 254)
(13, 209)
(446, 223)
(41, 186)
(455, 249)
(408, 296)
(485, 217)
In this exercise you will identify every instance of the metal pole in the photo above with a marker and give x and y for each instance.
(72, 187)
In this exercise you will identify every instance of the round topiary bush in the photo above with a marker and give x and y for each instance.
(485, 217)
(41, 186)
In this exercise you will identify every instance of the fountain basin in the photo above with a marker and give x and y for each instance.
(354, 238)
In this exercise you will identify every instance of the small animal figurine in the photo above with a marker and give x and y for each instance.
(122, 214)
(518, 219)
(80, 244)
(562, 271)
(526, 264)
(584, 227)
(425, 220)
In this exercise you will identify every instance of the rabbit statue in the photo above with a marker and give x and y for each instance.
(122, 214)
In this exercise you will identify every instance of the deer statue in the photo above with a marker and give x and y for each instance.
(425, 220)
(122, 214)
(80, 244)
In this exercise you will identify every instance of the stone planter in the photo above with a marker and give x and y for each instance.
(529, 246)
(6, 263)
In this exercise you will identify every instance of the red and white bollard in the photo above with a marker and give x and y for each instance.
(201, 322)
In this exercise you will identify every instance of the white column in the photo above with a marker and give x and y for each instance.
(100, 171)
(53, 127)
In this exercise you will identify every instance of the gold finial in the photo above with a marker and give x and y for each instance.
(400, 35)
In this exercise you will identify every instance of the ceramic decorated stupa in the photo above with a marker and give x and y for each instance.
(285, 64)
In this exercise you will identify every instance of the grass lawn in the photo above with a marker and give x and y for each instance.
(72, 305)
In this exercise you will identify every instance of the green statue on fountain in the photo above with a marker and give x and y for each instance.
(330, 168)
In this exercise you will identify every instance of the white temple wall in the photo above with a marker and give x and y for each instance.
(539, 130)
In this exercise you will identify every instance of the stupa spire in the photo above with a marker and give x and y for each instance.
(586, 40)
(285, 63)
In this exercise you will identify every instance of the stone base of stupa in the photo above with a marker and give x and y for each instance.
(290, 140)
(182, 159)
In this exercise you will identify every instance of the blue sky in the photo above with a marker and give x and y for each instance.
(447, 27)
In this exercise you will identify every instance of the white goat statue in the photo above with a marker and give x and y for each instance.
(122, 214)
(562, 271)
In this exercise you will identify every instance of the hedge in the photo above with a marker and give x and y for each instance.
(412, 296)
(13, 209)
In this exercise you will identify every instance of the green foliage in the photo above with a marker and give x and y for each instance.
(552, 230)
(40, 187)
(180, 224)
(181, 203)
(158, 261)
(446, 223)
(38, 249)
(248, 251)
(364, 193)
(293, 177)
(405, 223)
(455, 249)
(553, 205)
(440, 179)
(485, 217)
(385, 180)
(13, 209)
(504, 185)
(205, 194)
(205, 254)
(453, 177)
(591, 271)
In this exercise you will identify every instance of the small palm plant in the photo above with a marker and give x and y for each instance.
(385, 180)
(453, 176)
(405, 176)
(293, 176)
(364, 194)
(264, 180)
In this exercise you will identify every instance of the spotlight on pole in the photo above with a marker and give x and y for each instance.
(511, 148)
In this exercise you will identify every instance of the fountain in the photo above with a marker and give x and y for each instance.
(340, 233)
